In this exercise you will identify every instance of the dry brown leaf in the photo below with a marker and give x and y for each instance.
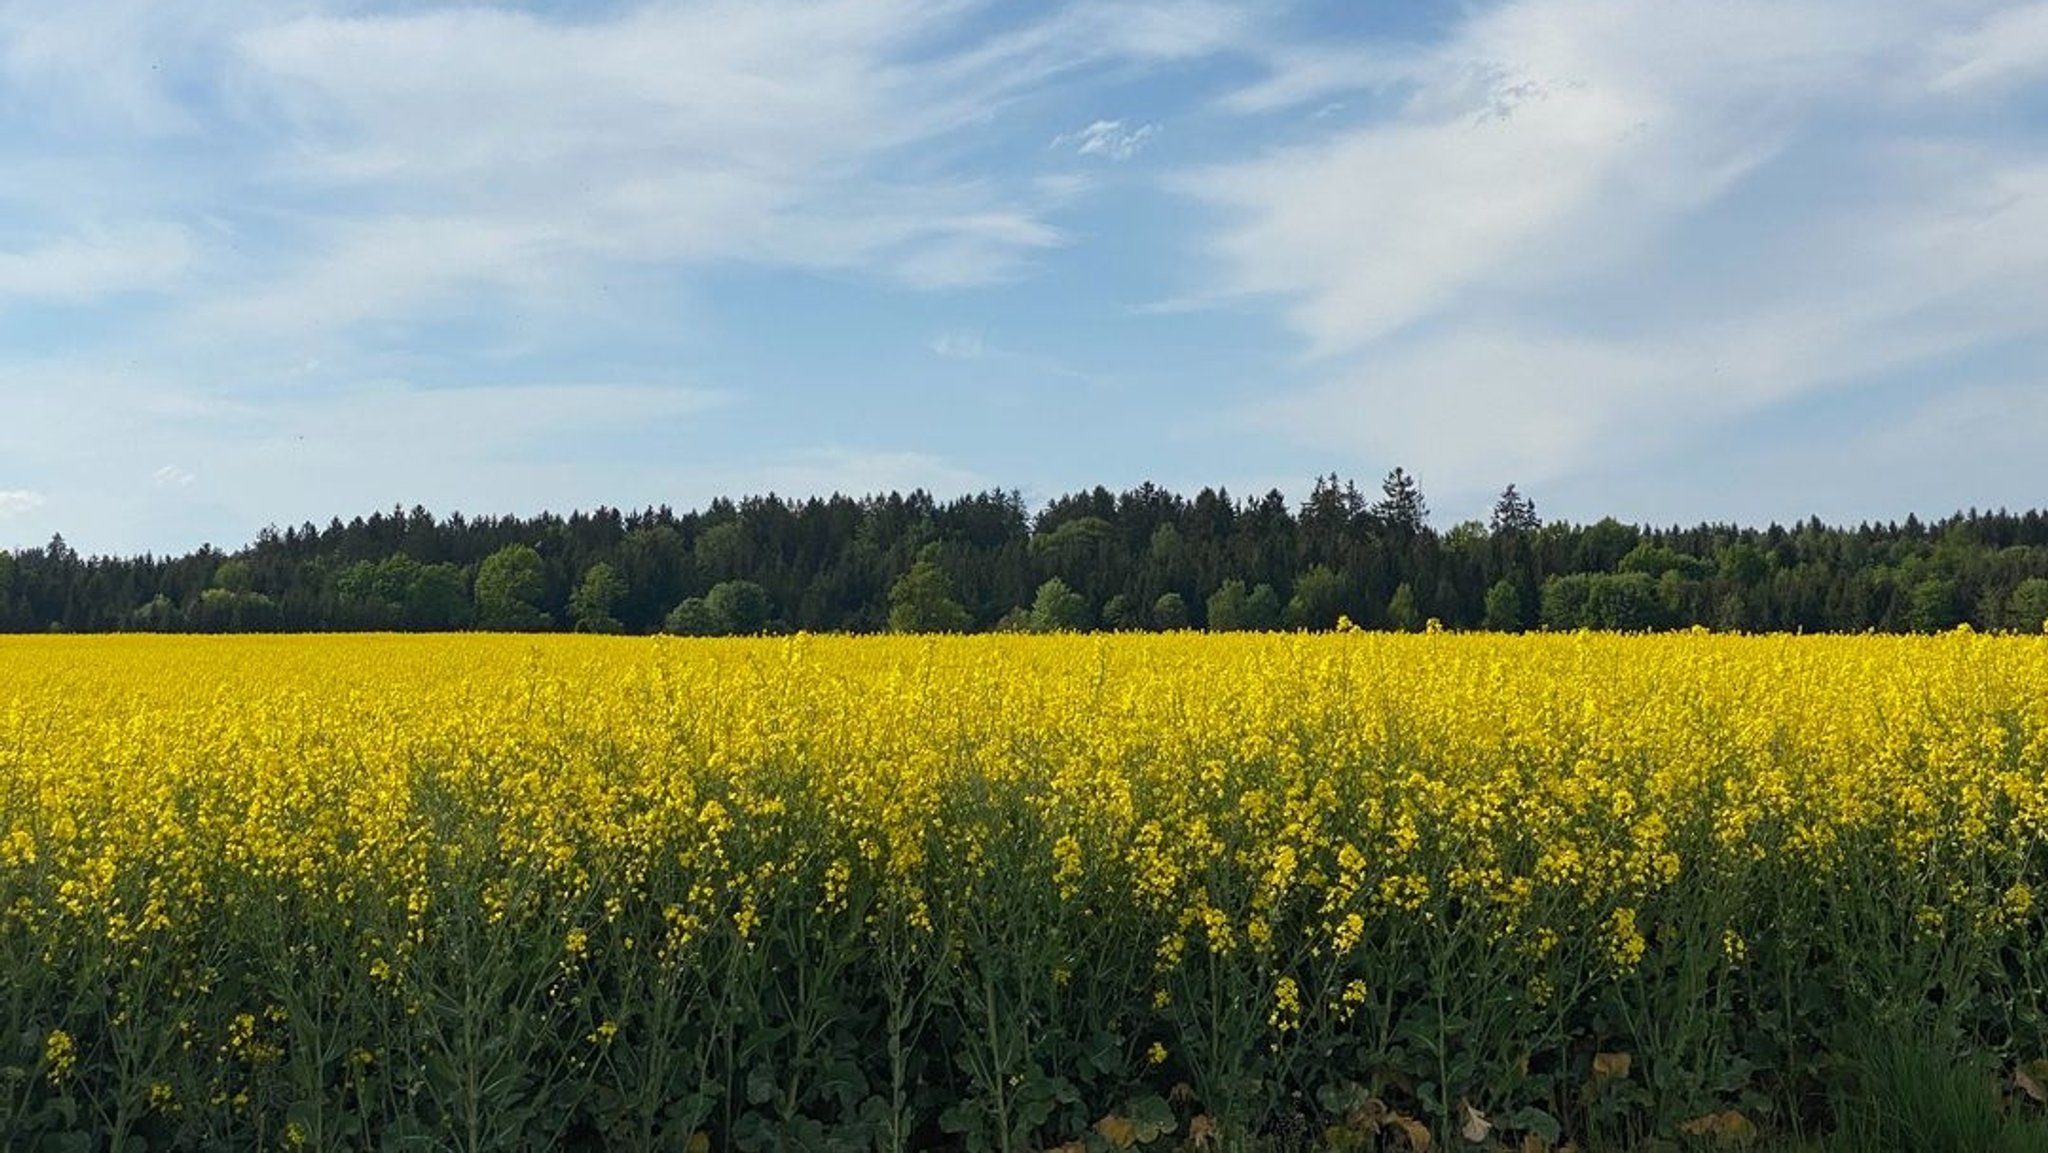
(1474, 1127)
(1182, 1093)
(1121, 1132)
(1726, 1126)
(1415, 1131)
(1531, 1143)
(2026, 1080)
(1611, 1066)
(1201, 1130)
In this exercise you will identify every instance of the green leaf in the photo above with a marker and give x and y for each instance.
(1153, 1117)
(1533, 1120)
(961, 1117)
(1342, 1098)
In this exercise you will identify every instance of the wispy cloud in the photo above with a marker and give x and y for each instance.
(973, 346)
(138, 257)
(957, 345)
(1590, 231)
(15, 501)
(519, 153)
(334, 253)
(440, 205)
(1109, 139)
(2005, 49)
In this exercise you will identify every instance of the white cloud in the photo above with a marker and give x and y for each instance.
(111, 63)
(1535, 261)
(505, 151)
(171, 476)
(1109, 139)
(16, 501)
(2007, 48)
(1159, 29)
(957, 345)
(1298, 76)
(139, 257)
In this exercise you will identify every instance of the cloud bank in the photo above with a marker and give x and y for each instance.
(1583, 234)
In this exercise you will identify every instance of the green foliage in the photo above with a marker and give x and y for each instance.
(235, 576)
(1603, 543)
(921, 601)
(1169, 612)
(1401, 508)
(692, 618)
(1120, 614)
(721, 550)
(1733, 615)
(1319, 598)
(1655, 560)
(1503, 608)
(1902, 1090)
(1233, 609)
(1615, 601)
(831, 565)
(1058, 609)
(740, 606)
(1513, 513)
(438, 599)
(591, 605)
(2028, 609)
(509, 586)
(1933, 606)
(1262, 609)
(1227, 608)
(1401, 610)
(1081, 536)
(160, 615)
(1744, 565)
(398, 592)
(219, 610)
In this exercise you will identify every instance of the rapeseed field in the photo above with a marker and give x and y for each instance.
(1346, 890)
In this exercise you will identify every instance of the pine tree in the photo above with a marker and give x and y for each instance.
(1514, 512)
(1402, 510)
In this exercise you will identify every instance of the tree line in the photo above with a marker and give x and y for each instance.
(1147, 558)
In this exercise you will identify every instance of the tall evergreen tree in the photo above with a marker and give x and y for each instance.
(1513, 513)
(1401, 509)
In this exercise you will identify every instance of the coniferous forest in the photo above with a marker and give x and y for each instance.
(1147, 558)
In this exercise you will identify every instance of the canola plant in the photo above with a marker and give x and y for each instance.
(1001, 893)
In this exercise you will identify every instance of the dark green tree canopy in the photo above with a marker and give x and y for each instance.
(1144, 558)
(1401, 509)
(1513, 513)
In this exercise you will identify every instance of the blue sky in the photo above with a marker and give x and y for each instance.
(268, 261)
